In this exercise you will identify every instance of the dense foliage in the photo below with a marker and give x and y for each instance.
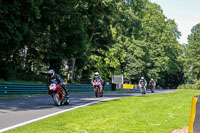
(191, 59)
(79, 37)
(192, 55)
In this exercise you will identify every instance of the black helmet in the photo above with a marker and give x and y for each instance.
(51, 73)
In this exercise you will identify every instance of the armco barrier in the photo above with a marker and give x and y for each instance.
(194, 123)
(24, 89)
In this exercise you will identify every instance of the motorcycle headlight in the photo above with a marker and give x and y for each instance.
(52, 86)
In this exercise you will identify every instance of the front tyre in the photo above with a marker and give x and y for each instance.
(56, 99)
(143, 90)
(96, 92)
(152, 89)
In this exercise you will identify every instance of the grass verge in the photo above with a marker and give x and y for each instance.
(161, 113)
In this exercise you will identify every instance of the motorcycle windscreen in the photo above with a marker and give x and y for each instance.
(98, 79)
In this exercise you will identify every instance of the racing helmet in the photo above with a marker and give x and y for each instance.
(51, 73)
(96, 74)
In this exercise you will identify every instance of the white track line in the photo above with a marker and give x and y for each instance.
(46, 116)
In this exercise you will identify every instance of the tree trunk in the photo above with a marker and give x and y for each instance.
(73, 66)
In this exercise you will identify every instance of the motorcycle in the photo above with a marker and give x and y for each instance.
(96, 85)
(59, 95)
(143, 88)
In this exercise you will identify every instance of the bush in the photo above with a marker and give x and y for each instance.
(1, 80)
(195, 86)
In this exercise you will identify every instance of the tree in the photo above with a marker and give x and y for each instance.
(136, 58)
(17, 16)
(192, 55)
(132, 37)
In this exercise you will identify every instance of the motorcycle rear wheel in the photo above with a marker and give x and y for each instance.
(67, 100)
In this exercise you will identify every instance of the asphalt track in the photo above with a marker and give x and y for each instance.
(15, 112)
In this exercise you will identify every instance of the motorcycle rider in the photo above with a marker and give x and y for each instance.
(152, 83)
(142, 82)
(95, 77)
(52, 76)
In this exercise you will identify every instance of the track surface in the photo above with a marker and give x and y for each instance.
(14, 111)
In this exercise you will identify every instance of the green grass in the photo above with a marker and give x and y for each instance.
(161, 113)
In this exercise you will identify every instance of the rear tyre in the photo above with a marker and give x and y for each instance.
(67, 100)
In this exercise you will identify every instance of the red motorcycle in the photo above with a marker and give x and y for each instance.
(59, 95)
(97, 90)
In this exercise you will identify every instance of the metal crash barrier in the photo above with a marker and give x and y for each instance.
(9, 89)
(194, 123)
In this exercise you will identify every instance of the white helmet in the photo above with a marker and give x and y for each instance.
(96, 74)
(51, 73)
(142, 77)
(151, 79)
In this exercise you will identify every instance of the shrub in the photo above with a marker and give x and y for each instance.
(195, 86)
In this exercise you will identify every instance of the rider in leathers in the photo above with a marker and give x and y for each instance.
(52, 76)
(152, 83)
(142, 82)
(96, 76)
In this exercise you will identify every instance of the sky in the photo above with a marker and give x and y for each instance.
(186, 14)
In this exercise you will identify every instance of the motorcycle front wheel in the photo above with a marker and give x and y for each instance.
(143, 91)
(56, 99)
(96, 92)
(152, 90)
